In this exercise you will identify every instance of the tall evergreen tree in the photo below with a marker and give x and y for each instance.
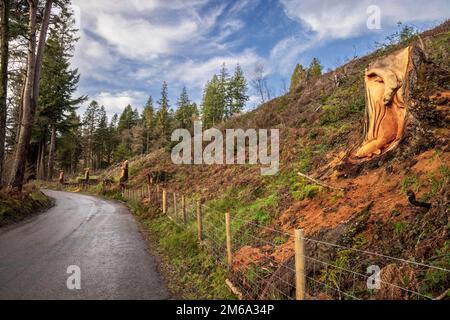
(298, 77)
(128, 119)
(90, 120)
(101, 137)
(212, 104)
(4, 57)
(148, 121)
(70, 143)
(186, 112)
(162, 119)
(315, 68)
(58, 80)
(238, 92)
(224, 93)
(112, 140)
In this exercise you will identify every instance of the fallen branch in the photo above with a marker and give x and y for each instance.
(444, 295)
(323, 184)
(234, 289)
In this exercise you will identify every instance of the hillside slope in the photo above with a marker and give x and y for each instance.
(319, 122)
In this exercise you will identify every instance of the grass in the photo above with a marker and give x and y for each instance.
(194, 273)
(411, 181)
(191, 272)
(345, 102)
(17, 207)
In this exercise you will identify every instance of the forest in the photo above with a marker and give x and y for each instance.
(42, 129)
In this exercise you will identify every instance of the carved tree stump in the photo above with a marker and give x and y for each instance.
(86, 175)
(400, 117)
(124, 173)
(61, 177)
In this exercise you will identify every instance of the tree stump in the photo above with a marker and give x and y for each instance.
(400, 118)
(61, 177)
(86, 175)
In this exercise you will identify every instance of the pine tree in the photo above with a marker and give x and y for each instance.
(212, 104)
(90, 120)
(238, 92)
(128, 119)
(315, 68)
(298, 77)
(70, 143)
(148, 122)
(163, 119)
(101, 137)
(185, 115)
(58, 81)
(137, 139)
(224, 93)
(112, 139)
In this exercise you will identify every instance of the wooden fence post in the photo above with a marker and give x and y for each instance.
(175, 209)
(183, 206)
(164, 201)
(228, 232)
(199, 222)
(300, 264)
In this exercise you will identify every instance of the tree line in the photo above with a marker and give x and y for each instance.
(40, 130)
(37, 84)
(106, 141)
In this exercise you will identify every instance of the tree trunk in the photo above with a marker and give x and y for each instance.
(40, 174)
(51, 154)
(31, 93)
(38, 160)
(3, 81)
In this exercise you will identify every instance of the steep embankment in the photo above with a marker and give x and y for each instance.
(15, 207)
(319, 122)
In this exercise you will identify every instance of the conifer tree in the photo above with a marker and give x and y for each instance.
(186, 112)
(212, 104)
(162, 126)
(298, 77)
(238, 92)
(315, 68)
(148, 122)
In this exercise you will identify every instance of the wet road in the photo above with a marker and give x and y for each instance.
(99, 236)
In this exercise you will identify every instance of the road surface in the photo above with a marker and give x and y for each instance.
(100, 237)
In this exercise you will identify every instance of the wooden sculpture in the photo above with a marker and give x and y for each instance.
(386, 83)
(61, 177)
(124, 173)
(86, 175)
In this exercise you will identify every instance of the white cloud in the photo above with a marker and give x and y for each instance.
(116, 102)
(347, 18)
(326, 20)
(196, 73)
(140, 39)
(286, 53)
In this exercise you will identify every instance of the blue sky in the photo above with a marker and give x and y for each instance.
(128, 48)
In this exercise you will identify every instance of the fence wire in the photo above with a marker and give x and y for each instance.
(263, 257)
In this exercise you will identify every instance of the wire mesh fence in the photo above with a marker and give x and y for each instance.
(263, 262)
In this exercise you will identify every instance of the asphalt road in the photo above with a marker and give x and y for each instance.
(100, 237)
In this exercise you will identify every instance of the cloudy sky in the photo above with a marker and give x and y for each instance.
(128, 48)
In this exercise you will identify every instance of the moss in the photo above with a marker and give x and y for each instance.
(17, 207)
